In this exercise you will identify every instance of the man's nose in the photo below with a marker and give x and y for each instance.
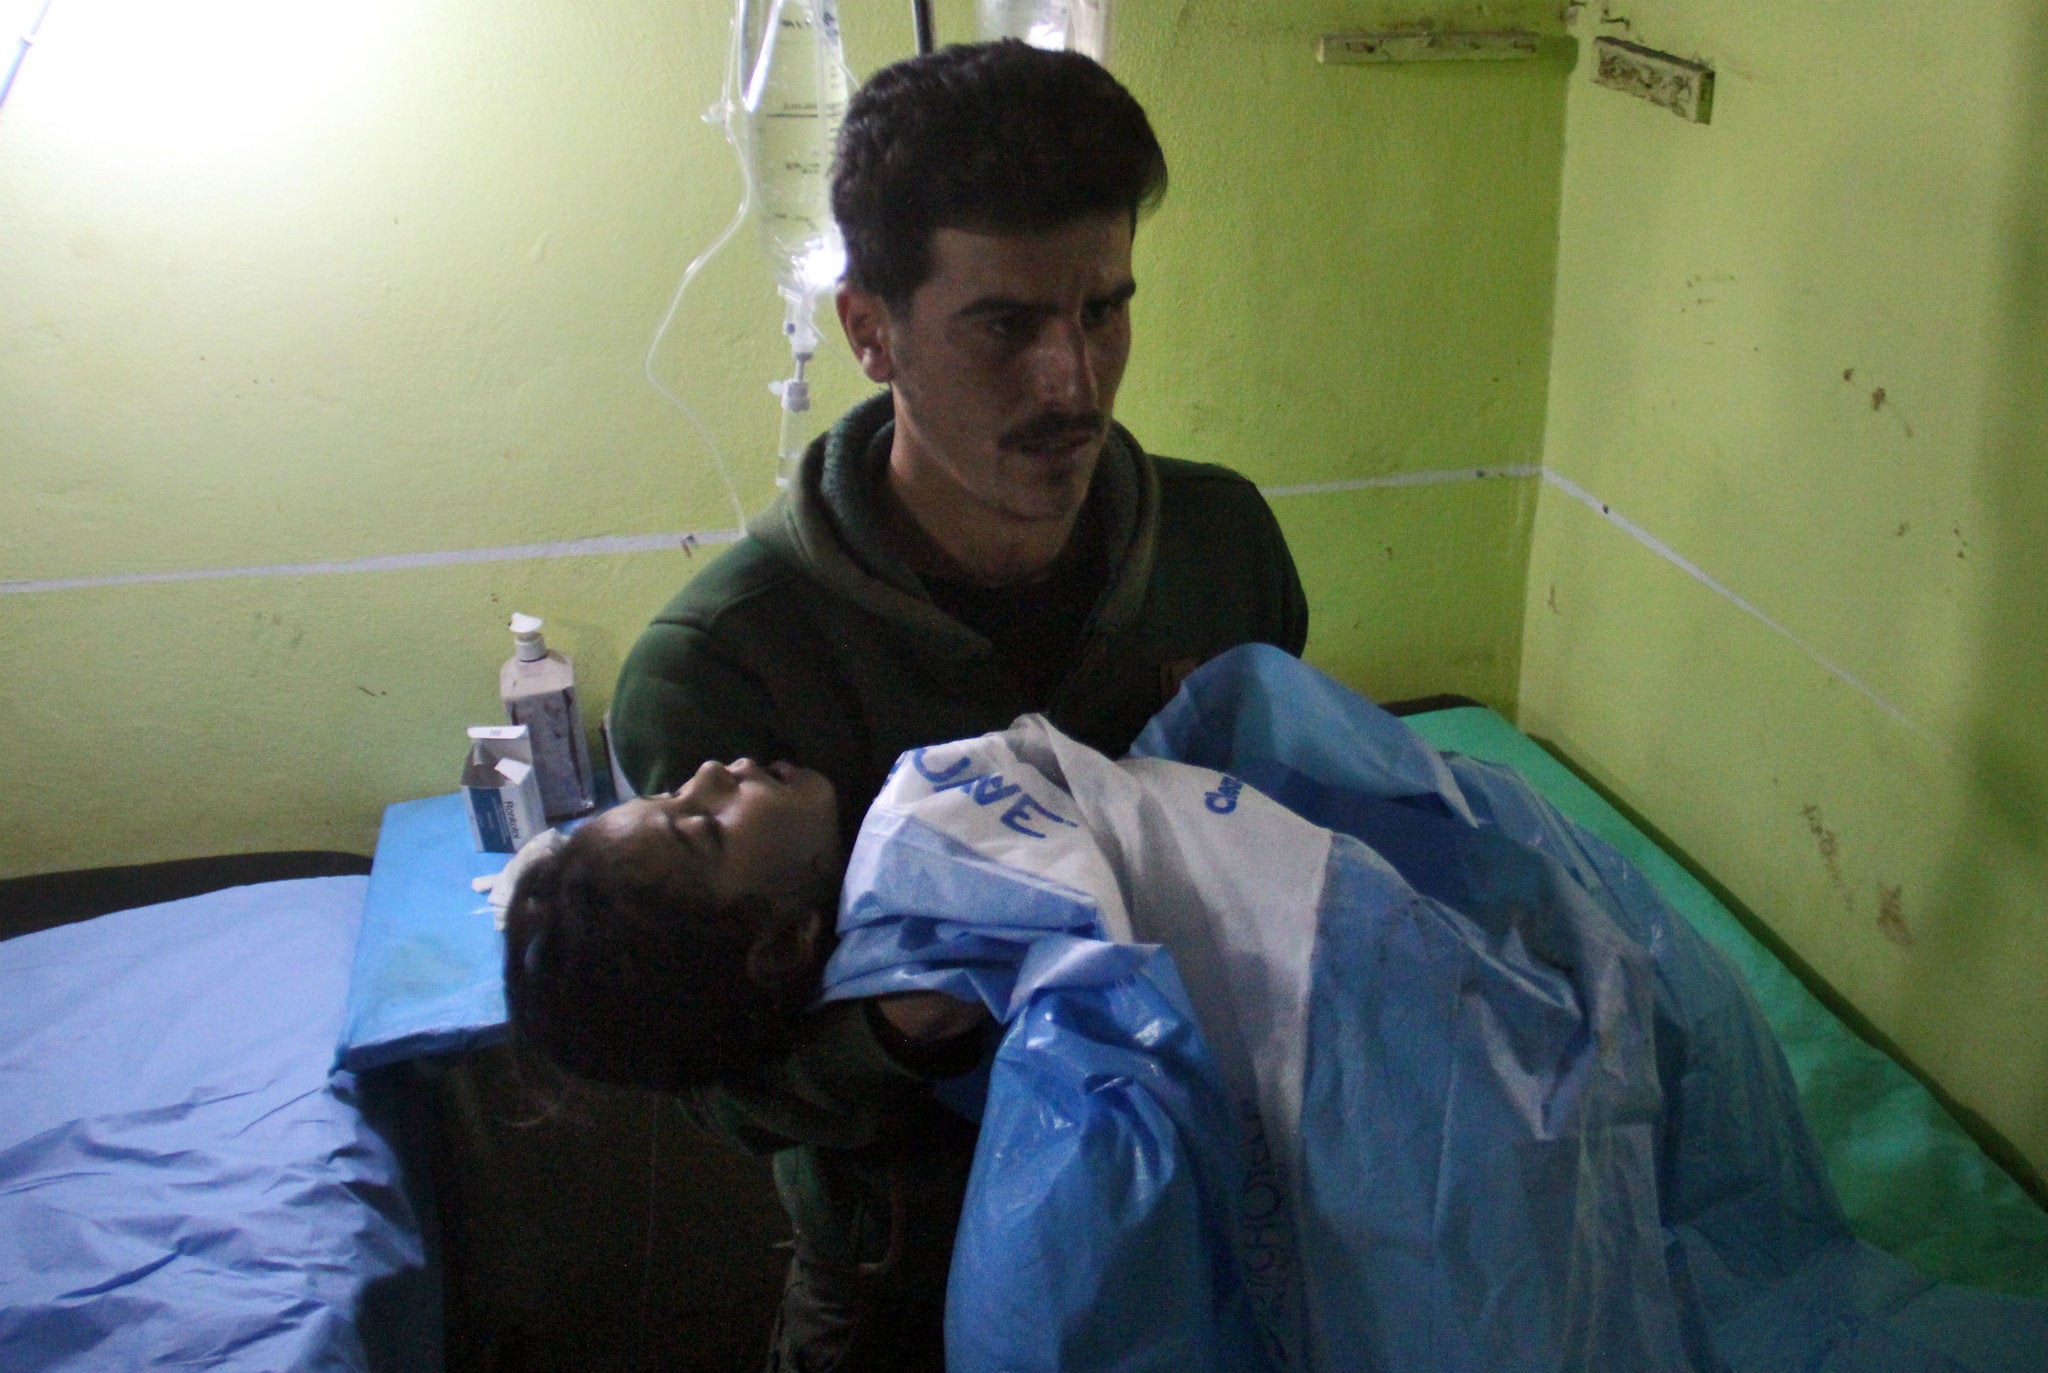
(1063, 366)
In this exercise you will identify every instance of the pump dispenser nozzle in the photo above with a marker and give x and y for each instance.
(528, 646)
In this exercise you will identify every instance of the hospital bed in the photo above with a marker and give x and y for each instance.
(178, 1165)
(182, 1182)
(185, 1181)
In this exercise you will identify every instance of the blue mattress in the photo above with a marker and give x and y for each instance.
(182, 1183)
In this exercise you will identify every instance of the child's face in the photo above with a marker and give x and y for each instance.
(743, 829)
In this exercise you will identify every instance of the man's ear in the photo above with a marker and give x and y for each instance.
(865, 321)
(784, 956)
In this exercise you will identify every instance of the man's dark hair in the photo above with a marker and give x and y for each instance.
(639, 982)
(994, 137)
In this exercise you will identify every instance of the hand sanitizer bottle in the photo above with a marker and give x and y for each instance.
(539, 689)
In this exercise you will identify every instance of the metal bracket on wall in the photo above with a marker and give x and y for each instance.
(1423, 45)
(1685, 88)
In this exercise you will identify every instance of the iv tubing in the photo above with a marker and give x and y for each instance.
(739, 512)
(724, 110)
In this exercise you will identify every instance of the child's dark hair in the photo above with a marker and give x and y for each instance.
(643, 981)
(990, 137)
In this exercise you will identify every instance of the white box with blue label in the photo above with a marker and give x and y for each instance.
(500, 789)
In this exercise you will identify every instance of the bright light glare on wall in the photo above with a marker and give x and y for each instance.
(200, 73)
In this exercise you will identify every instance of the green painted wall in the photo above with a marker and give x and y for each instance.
(1804, 347)
(278, 290)
(1351, 280)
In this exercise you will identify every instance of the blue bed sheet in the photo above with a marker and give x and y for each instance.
(182, 1184)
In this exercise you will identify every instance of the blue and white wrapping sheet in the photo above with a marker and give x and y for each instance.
(182, 1185)
(1405, 1073)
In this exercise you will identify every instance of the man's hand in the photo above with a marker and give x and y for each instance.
(933, 1035)
(929, 1018)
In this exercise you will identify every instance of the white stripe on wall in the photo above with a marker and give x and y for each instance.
(1456, 474)
(397, 562)
(1692, 570)
(661, 543)
(631, 543)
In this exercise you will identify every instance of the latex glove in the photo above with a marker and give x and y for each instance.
(500, 885)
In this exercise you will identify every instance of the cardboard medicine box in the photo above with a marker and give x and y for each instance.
(500, 789)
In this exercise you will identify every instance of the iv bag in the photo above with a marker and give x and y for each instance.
(1082, 25)
(785, 98)
(793, 100)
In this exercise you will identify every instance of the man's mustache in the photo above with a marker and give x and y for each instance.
(1054, 429)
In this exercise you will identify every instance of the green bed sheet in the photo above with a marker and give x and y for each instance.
(1911, 1179)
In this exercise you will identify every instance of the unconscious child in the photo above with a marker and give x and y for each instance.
(1431, 1078)
(672, 941)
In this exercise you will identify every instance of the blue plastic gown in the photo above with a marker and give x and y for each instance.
(1329, 1051)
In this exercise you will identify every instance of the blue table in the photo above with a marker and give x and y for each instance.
(427, 975)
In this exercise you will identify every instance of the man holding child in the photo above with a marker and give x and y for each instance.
(977, 542)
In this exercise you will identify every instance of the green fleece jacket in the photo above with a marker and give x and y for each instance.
(811, 641)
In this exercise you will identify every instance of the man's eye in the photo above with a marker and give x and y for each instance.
(1101, 313)
(1011, 326)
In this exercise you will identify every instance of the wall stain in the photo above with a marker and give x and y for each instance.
(276, 637)
(1825, 839)
(1879, 398)
(1830, 847)
(273, 640)
(1551, 600)
(1900, 532)
(1891, 915)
